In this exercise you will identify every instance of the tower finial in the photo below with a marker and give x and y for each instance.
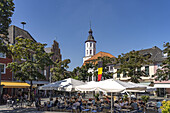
(90, 24)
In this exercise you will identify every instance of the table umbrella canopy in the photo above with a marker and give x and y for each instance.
(109, 85)
(148, 88)
(63, 85)
(89, 86)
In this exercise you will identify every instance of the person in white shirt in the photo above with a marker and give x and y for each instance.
(117, 106)
(121, 103)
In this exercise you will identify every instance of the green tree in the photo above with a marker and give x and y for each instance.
(131, 63)
(164, 73)
(59, 70)
(29, 59)
(6, 12)
(81, 73)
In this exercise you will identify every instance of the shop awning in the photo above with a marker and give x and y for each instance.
(15, 85)
(162, 85)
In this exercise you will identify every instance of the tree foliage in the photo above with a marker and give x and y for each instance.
(164, 73)
(59, 70)
(81, 73)
(131, 63)
(6, 12)
(29, 59)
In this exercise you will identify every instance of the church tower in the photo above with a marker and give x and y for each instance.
(90, 46)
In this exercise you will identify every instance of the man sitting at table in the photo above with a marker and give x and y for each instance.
(117, 106)
(134, 105)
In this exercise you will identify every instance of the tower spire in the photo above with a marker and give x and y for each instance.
(90, 24)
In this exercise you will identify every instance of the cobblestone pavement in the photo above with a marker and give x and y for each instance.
(3, 109)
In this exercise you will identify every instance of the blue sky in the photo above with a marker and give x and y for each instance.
(119, 26)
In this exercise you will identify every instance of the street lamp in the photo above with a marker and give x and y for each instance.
(23, 23)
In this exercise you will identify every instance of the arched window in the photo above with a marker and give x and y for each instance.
(90, 44)
(87, 44)
(87, 52)
(90, 52)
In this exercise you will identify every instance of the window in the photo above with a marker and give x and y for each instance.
(138, 69)
(124, 74)
(118, 74)
(2, 55)
(87, 44)
(90, 44)
(2, 66)
(45, 73)
(90, 52)
(147, 70)
(87, 52)
(111, 68)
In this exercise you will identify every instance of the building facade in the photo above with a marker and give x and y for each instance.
(56, 56)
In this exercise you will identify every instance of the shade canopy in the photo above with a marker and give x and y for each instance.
(63, 85)
(148, 88)
(89, 86)
(15, 85)
(109, 85)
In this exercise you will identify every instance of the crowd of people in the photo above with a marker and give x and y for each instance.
(133, 105)
(16, 98)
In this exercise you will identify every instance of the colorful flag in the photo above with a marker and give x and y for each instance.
(100, 70)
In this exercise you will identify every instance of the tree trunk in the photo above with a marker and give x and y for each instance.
(30, 90)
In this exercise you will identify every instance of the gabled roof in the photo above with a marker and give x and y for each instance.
(99, 54)
(15, 31)
(155, 52)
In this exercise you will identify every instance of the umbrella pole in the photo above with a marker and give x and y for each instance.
(111, 103)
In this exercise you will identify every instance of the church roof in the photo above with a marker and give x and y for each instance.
(90, 37)
(99, 54)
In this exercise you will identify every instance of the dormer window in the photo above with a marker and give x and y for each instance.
(147, 55)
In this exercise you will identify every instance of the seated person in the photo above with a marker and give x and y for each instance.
(48, 104)
(56, 102)
(126, 103)
(158, 104)
(121, 103)
(51, 102)
(117, 106)
(76, 104)
(141, 103)
(93, 101)
(134, 105)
